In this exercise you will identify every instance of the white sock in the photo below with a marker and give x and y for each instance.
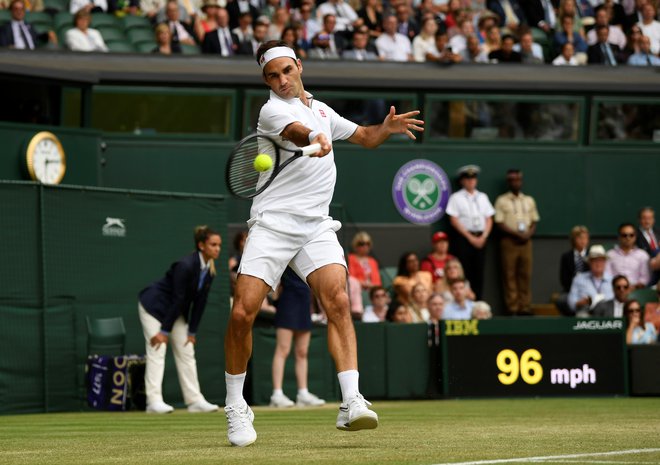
(303, 392)
(278, 392)
(234, 388)
(348, 382)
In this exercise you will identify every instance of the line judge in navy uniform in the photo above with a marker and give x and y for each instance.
(170, 311)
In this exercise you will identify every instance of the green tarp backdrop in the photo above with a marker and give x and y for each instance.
(69, 253)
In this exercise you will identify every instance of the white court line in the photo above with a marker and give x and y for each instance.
(553, 457)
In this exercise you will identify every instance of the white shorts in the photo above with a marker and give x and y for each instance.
(278, 240)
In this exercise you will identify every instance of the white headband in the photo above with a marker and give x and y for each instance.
(276, 52)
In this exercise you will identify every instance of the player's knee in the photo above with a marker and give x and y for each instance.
(337, 304)
(242, 316)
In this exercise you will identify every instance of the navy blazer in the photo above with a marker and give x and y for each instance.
(7, 35)
(176, 294)
(496, 7)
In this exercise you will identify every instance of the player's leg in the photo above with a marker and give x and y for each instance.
(283, 341)
(329, 285)
(248, 295)
(155, 369)
(304, 398)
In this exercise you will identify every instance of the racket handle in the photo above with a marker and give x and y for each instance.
(310, 149)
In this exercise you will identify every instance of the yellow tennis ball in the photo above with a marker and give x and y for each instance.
(263, 162)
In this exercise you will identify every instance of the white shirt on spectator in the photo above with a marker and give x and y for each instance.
(653, 32)
(561, 61)
(394, 48)
(537, 50)
(453, 311)
(458, 43)
(89, 41)
(344, 13)
(76, 5)
(615, 36)
(471, 210)
(422, 46)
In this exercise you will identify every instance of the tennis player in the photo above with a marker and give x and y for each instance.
(290, 225)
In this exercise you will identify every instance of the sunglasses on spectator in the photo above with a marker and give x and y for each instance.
(380, 294)
(627, 234)
(361, 243)
(634, 310)
(621, 286)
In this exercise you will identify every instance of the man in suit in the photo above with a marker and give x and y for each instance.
(602, 52)
(510, 13)
(221, 41)
(359, 51)
(181, 32)
(20, 35)
(238, 7)
(249, 47)
(647, 240)
(540, 14)
(327, 44)
(613, 308)
(407, 25)
(572, 262)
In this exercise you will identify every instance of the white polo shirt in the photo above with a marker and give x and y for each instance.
(470, 209)
(305, 187)
(394, 48)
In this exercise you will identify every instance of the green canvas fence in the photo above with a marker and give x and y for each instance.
(73, 252)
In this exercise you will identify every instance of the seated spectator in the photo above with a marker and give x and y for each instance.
(505, 54)
(613, 308)
(221, 41)
(290, 36)
(436, 306)
(181, 32)
(644, 57)
(454, 271)
(575, 260)
(82, 38)
(361, 265)
(435, 262)
(473, 52)
(237, 8)
(570, 8)
(590, 287)
(250, 47)
(377, 310)
(399, 313)
(510, 13)
(441, 52)
(278, 22)
(615, 34)
(407, 26)
(425, 41)
(371, 15)
(647, 240)
(637, 330)
(90, 6)
(359, 51)
(650, 27)
(481, 311)
(652, 310)
(391, 45)
(458, 42)
(164, 44)
(615, 11)
(309, 25)
(208, 23)
(493, 40)
(540, 14)
(567, 34)
(566, 57)
(629, 260)
(346, 17)
(461, 307)
(486, 21)
(19, 34)
(327, 44)
(602, 52)
(634, 41)
(409, 274)
(243, 31)
(531, 53)
(419, 297)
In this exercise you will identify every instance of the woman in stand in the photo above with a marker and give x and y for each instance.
(637, 331)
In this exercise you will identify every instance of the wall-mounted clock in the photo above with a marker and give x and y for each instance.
(45, 158)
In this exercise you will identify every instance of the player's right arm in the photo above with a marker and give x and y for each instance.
(299, 134)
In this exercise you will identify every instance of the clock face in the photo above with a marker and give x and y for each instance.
(45, 159)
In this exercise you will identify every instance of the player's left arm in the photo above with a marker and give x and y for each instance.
(373, 136)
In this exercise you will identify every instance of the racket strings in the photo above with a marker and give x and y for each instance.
(243, 179)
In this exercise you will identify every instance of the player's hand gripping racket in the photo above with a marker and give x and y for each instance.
(247, 179)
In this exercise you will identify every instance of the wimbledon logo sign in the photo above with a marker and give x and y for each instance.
(421, 191)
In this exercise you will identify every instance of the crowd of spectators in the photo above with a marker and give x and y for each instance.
(558, 32)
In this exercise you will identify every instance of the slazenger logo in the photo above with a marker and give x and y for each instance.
(114, 227)
(421, 191)
(595, 325)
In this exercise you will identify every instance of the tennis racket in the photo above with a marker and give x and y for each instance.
(243, 179)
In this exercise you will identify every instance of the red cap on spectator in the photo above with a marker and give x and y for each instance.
(439, 236)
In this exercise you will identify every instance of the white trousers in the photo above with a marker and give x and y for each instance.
(184, 357)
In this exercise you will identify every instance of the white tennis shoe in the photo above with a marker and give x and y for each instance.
(202, 406)
(280, 401)
(355, 415)
(309, 400)
(159, 407)
(240, 431)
